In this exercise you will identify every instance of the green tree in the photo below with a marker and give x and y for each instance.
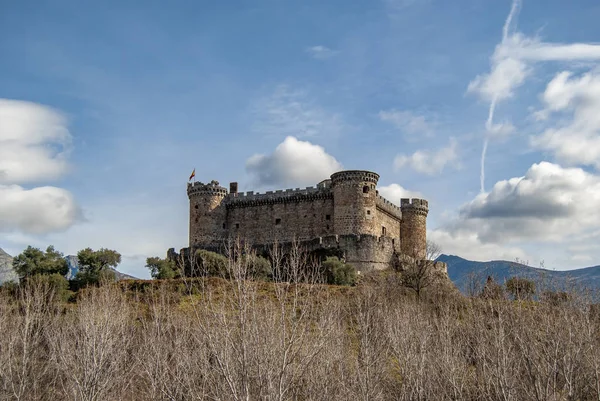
(209, 264)
(339, 273)
(34, 261)
(520, 288)
(259, 267)
(94, 266)
(162, 268)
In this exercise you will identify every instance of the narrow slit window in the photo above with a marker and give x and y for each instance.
(237, 225)
(327, 217)
(277, 222)
(383, 231)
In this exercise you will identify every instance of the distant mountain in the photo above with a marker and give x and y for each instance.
(74, 268)
(7, 272)
(463, 271)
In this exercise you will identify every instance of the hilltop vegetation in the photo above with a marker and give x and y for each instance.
(290, 337)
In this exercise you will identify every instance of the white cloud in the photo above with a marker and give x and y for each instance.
(549, 203)
(500, 131)
(34, 142)
(430, 163)
(511, 64)
(38, 210)
(320, 52)
(291, 112)
(578, 141)
(395, 192)
(34, 145)
(507, 74)
(408, 122)
(466, 244)
(292, 163)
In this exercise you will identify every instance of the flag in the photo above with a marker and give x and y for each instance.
(192, 175)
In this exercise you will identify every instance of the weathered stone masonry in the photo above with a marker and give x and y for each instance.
(344, 212)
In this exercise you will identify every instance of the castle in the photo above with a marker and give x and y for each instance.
(344, 214)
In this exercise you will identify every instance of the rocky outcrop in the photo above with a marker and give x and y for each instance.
(7, 273)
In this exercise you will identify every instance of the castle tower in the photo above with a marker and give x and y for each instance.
(207, 213)
(413, 227)
(354, 202)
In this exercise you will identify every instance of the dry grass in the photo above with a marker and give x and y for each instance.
(245, 340)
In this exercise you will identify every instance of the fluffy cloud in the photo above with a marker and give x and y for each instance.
(36, 211)
(34, 145)
(466, 244)
(292, 163)
(34, 142)
(511, 63)
(320, 52)
(395, 192)
(292, 112)
(549, 203)
(513, 59)
(577, 141)
(408, 122)
(507, 74)
(430, 163)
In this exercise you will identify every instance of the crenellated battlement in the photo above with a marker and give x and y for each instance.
(212, 188)
(354, 175)
(415, 205)
(388, 207)
(251, 198)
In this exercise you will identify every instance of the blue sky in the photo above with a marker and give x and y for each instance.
(105, 109)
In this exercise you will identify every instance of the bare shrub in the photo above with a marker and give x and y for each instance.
(92, 345)
(294, 338)
(24, 370)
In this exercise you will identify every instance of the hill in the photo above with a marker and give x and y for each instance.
(463, 271)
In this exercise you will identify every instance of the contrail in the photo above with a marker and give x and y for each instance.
(508, 26)
(488, 127)
(514, 9)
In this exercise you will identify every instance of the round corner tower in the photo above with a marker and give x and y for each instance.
(413, 227)
(207, 213)
(354, 202)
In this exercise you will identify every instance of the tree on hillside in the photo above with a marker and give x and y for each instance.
(520, 288)
(94, 265)
(337, 272)
(162, 268)
(419, 274)
(34, 261)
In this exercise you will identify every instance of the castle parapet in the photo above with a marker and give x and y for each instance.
(251, 198)
(388, 207)
(354, 175)
(212, 188)
(419, 206)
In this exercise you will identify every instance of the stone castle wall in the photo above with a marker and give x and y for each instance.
(344, 213)
(413, 229)
(265, 222)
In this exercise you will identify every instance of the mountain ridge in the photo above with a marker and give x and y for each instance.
(463, 271)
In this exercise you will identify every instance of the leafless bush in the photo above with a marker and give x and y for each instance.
(294, 339)
(92, 345)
